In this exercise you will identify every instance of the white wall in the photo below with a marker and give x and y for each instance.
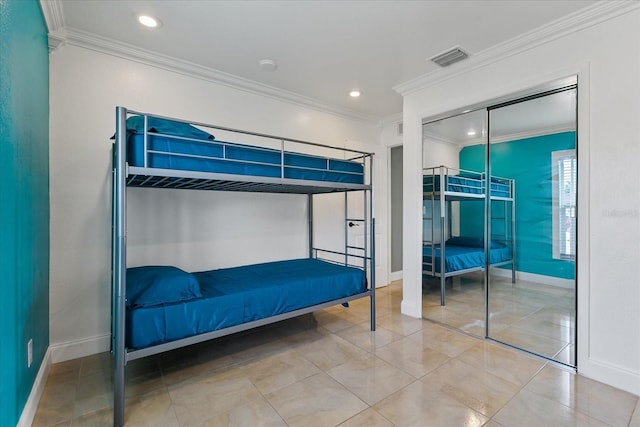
(437, 153)
(606, 58)
(194, 230)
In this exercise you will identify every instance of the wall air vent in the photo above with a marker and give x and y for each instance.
(450, 56)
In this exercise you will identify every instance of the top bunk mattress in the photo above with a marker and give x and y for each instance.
(179, 146)
(232, 296)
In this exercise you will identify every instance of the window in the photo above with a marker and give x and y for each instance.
(565, 180)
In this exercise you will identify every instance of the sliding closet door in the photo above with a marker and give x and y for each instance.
(531, 224)
(454, 149)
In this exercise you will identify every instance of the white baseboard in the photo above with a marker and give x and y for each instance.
(611, 374)
(395, 275)
(30, 407)
(69, 350)
(410, 308)
(536, 278)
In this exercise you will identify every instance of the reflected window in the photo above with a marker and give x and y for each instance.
(565, 177)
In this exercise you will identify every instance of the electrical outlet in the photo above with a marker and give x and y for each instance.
(29, 353)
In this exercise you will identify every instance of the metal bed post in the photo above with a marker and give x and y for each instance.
(145, 139)
(449, 218)
(372, 261)
(505, 227)
(433, 224)
(346, 228)
(310, 223)
(282, 158)
(513, 231)
(443, 186)
(119, 266)
(114, 240)
(365, 219)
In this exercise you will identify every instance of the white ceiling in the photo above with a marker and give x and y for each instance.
(323, 49)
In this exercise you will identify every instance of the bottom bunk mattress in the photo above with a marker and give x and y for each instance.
(232, 296)
(463, 257)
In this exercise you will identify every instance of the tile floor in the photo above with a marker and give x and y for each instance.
(539, 318)
(328, 369)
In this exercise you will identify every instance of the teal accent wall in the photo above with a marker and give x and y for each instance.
(24, 201)
(528, 161)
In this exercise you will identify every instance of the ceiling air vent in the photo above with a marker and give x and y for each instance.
(450, 56)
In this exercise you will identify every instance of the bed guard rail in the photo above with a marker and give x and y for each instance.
(465, 181)
(224, 140)
(343, 255)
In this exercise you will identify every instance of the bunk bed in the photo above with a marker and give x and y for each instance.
(161, 308)
(459, 255)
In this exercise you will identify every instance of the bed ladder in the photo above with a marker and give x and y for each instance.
(350, 223)
(365, 252)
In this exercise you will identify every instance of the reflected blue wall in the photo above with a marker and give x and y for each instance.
(528, 161)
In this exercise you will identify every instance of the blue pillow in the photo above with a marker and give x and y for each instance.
(474, 242)
(169, 127)
(155, 285)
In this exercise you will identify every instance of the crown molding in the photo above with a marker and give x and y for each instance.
(391, 119)
(585, 18)
(53, 14)
(57, 40)
(83, 39)
(54, 17)
(515, 136)
(426, 135)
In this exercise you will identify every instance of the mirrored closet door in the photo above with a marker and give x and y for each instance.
(499, 236)
(532, 223)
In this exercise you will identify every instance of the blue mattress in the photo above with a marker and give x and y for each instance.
(459, 258)
(203, 153)
(465, 184)
(232, 296)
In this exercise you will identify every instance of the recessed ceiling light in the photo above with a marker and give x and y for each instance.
(268, 64)
(471, 132)
(148, 21)
(354, 93)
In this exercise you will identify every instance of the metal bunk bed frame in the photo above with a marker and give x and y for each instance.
(445, 197)
(125, 175)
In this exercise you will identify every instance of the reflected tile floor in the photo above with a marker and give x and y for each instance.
(539, 318)
(328, 369)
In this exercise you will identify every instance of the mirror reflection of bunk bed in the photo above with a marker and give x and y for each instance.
(459, 255)
(158, 309)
